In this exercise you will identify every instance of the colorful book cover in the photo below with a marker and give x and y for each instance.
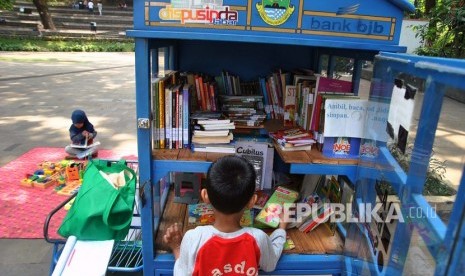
(202, 214)
(269, 215)
(289, 244)
(186, 98)
(262, 198)
(289, 105)
(257, 154)
(341, 147)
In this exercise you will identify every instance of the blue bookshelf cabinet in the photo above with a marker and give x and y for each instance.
(252, 38)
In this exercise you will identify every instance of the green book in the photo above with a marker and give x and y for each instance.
(269, 215)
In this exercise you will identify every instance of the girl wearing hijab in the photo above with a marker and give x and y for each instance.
(81, 133)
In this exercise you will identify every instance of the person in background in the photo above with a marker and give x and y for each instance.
(81, 132)
(100, 7)
(90, 6)
(225, 246)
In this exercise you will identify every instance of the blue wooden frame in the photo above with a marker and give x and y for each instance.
(444, 243)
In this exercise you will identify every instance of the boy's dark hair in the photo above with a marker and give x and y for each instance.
(230, 184)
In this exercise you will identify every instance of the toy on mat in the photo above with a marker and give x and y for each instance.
(72, 172)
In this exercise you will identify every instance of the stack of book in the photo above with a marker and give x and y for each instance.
(293, 139)
(244, 111)
(322, 215)
(212, 135)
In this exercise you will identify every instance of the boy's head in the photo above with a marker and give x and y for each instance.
(230, 184)
(78, 117)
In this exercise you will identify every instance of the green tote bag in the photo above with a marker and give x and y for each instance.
(101, 211)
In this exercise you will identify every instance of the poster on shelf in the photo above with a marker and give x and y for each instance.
(401, 113)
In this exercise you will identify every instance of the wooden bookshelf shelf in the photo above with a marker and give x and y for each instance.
(319, 241)
(290, 157)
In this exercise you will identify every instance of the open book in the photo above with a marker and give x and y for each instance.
(85, 146)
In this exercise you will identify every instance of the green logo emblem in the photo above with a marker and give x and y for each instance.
(275, 12)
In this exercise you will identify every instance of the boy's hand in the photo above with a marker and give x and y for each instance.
(173, 238)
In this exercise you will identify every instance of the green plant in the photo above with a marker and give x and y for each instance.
(444, 36)
(55, 44)
(435, 182)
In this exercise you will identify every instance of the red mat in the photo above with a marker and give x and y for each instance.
(23, 210)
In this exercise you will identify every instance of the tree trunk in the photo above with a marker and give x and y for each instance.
(45, 16)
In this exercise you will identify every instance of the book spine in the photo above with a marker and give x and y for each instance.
(212, 97)
(262, 83)
(185, 116)
(206, 95)
(276, 102)
(198, 81)
(155, 138)
(168, 126)
(173, 119)
(161, 113)
(179, 121)
(289, 105)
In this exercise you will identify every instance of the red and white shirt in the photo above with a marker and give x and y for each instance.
(207, 251)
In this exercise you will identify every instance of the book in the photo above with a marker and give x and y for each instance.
(203, 133)
(186, 99)
(289, 105)
(289, 244)
(262, 198)
(84, 257)
(290, 147)
(269, 215)
(213, 121)
(85, 145)
(217, 126)
(324, 212)
(212, 139)
(341, 147)
(258, 154)
(219, 148)
(203, 214)
(293, 139)
(326, 85)
(313, 201)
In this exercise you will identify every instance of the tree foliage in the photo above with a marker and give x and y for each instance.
(444, 36)
(6, 5)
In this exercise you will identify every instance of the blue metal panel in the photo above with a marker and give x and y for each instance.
(376, 22)
(452, 248)
(270, 39)
(289, 264)
(302, 168)
(438, 73)
(143, 143)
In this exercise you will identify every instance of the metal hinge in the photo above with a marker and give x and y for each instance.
(143, 123)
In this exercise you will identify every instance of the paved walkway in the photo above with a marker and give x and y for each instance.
(38, 91)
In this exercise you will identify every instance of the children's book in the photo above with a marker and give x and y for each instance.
(289, 244)
(324, 212)
(85, 145)
(262, 198)
(313, 201)
(289, 105)
(269, 215)
(257, 154)
(202, 214)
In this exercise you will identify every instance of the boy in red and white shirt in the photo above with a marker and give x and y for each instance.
(225, 246)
